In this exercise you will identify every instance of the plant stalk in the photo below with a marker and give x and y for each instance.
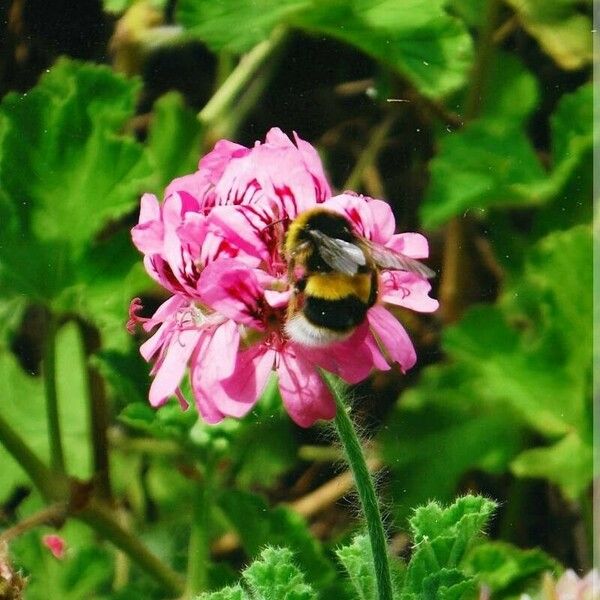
(101, 518)
(57, 457)
(199, 545)
(365, 489)
(239, 77)
(51, 486)
(98, 411)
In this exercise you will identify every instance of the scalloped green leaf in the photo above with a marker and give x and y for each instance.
(417, 38)
(357, 559)
(441, 539)
(66, 171)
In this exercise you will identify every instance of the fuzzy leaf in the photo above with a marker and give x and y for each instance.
(228, 593)
(275, 577)
(568, 463)
(357, 559)
(441, 538)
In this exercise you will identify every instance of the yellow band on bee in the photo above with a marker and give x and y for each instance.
(335, 286)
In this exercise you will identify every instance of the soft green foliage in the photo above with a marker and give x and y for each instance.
(514, 366)
(560, 28)
(22, 405)
(173, 141)
(503, 567)
(61, 141)
(505, 170)
(87, 568)
(274, 576)
(418, 38)
(257, 526)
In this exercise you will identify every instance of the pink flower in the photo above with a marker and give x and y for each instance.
(216, 245)
(570, 587)
(55, 544)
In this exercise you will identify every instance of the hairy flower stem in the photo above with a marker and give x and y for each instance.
(240, 77)
(365, 489)
(199, 545)
(57, 457)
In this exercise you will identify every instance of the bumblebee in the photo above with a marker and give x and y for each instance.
(335, 274)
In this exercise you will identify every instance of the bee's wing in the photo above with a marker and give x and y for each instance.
(340, 255)
(387, 258)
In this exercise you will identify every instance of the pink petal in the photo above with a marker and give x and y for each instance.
(215, 162)
(407, 290)
(147, 235)
(231, 288)
(312, 160)
(55, 544)
(352, 359)
(237, 394)
(410, 244)
(278, 299)
(304, 393)
(373, 219)
(173, 365)
(383, 222)
(166, 310)
(393, 337)
(248, 380)
(241, 227)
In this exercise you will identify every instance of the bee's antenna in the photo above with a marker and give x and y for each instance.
(275, 223)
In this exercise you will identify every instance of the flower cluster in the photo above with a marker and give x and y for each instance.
(215, 244)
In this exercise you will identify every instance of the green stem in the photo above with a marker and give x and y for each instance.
(99, 413)
(365, 489)
(51, 486)
(231, 121)
(57, 457)
(199, 546)
(239, 78)
(102, 519)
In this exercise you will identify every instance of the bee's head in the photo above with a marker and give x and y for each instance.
(331, 224)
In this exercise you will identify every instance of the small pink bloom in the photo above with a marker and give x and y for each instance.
(216, 244)
(55, 544)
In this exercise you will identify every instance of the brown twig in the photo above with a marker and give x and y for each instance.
(55, 515)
